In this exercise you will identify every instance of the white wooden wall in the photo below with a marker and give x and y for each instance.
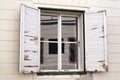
(9, 37)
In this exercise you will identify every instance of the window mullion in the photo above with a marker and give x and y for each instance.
(59, 43)
(79, 35)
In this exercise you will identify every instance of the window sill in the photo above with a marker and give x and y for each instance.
(61, 73)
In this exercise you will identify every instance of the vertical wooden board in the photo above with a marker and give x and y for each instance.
(95, 40)
(29, 40)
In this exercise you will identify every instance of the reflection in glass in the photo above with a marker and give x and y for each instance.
(48, 31)
(69, 27)
(69, 33)
(69, 58)
(49, 27)
(72, 50)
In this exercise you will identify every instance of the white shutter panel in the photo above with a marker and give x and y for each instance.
(95, 40)
(29, 40)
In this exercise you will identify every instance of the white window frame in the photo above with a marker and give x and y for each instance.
(79, 34)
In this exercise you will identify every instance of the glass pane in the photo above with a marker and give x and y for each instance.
(49, 25)
(49, 61)
(69, 28)
(53, 47)
(49, 56)
(69, 34)
(70, 57)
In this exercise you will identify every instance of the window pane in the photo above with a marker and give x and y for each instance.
(49, 25)
(70, 58)
(49, 60)
(69, 33)
(69, 27)
(72, 50)
(53, 47)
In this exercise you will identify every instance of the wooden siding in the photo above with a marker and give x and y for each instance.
(9, 37)
(65, 2)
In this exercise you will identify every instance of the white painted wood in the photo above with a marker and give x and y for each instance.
(114, 48)
(96, 48)
(9, 25)
(29, 40)
(113, 21)
(114, 30)
(6, 14)
(104, 3)
(9, 35)
(80, 41)
(9, 46)
(114, 39)
(59, 43)
(114, 58)
(10, 68)
(12, 59)
(10, 4)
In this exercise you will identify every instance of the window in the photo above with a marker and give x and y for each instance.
(57, 40)
(54, 28)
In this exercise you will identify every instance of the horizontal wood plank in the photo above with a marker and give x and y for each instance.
(9, 25)
(9, 14)
(114, 39)
(9, 46)
(9, 57)
(9, 35)
(104, 3)
(113, 48)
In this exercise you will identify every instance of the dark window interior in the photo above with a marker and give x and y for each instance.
(53, 47)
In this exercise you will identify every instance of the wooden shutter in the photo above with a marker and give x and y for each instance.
(29, 40)
(95, 40)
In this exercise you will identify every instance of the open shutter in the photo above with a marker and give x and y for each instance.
(95, 40)
(29, 40)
